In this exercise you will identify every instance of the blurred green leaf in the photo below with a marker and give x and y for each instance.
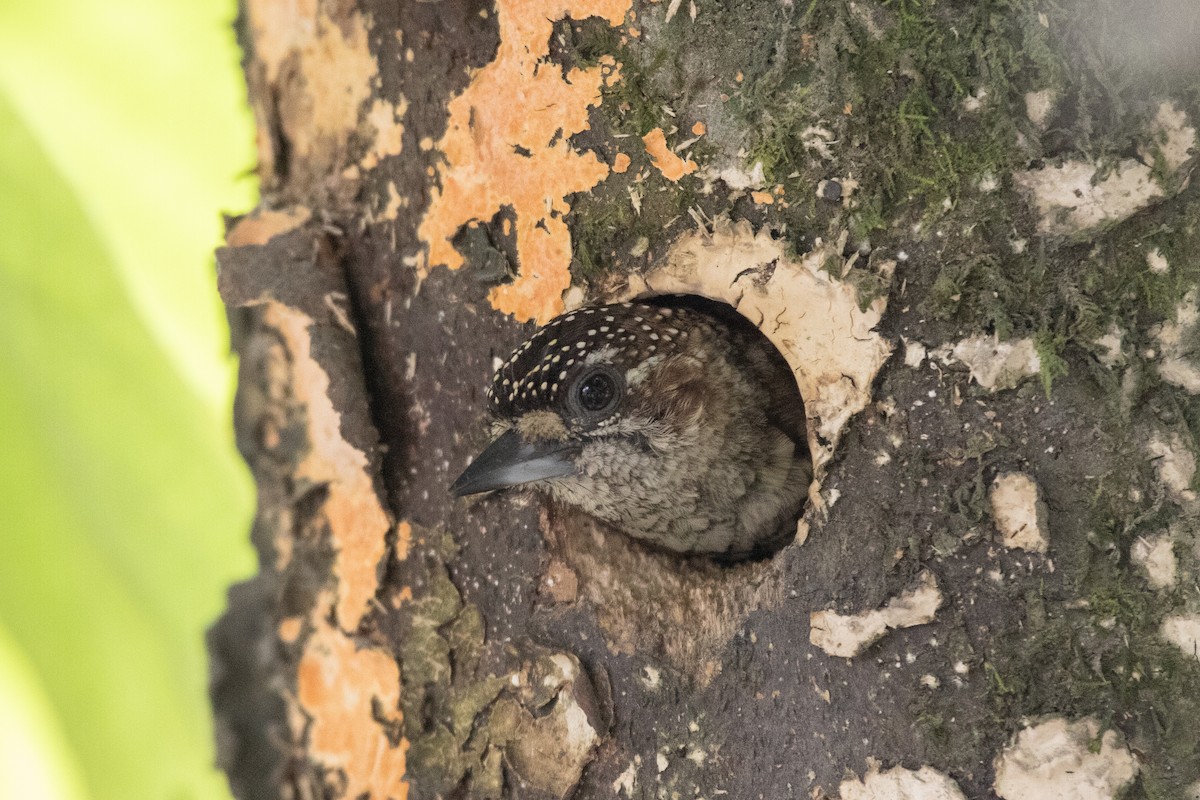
(140, 105)
(125, 509)
(35, 759)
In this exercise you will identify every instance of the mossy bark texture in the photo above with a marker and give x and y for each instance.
(972, 229)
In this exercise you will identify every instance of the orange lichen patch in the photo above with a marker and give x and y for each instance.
(342, 689)
(320, 68)
(290, 628)
(612, 73)
(762, 198)
(405, 595)
(352, 509)
(404, 534)
(670, 165)
(507, 144)
(699, 129)
(261, 226)
(620, 163)
(389, 132)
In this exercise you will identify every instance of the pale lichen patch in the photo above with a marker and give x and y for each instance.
(995, 365)
(847, 636)
(547, 730)
(1039, 105)
(1019, 512)
(1172, 138)
(386, 120)
(1156, 556)
(1064, 760)
(899, 783)
(1074, 197)
(1177, 362)
(499, 153)
(1183, 631)
(1111, 347)
(1176, 465)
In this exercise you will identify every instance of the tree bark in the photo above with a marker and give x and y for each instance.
(967, 226)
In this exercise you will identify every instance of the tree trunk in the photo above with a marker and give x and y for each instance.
(969, 228)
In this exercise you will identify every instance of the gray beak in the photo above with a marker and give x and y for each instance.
(511, 461)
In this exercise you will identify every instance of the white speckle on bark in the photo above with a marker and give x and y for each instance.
(914, 353)
(1111, 346)
(1157, 262)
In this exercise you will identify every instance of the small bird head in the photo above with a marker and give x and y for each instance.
(575, 380)
(645, 417)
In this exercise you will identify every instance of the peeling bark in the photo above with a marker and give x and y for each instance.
(438, 177)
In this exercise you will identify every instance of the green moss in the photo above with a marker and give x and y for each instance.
(1049, 348)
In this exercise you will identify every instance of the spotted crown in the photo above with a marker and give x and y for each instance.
(538, 375)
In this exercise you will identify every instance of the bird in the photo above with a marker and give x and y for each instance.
(677, 425)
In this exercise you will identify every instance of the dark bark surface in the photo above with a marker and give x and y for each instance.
(398, 642)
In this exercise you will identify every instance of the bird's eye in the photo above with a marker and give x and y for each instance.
(596, 393)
